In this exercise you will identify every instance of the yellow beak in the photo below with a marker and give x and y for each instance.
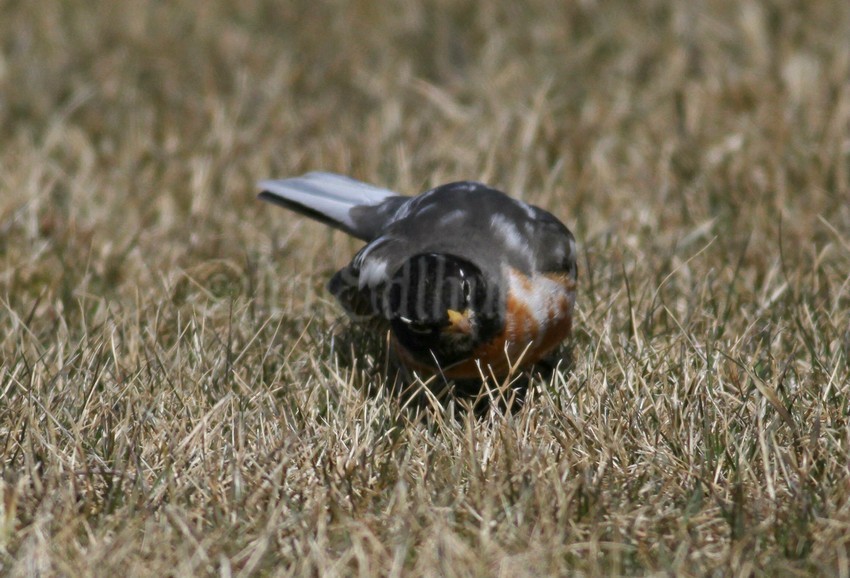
(458, 322)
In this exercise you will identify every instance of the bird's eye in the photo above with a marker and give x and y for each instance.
(420, 328)
(417, 327)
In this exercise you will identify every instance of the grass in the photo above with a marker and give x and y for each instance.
(180, 396)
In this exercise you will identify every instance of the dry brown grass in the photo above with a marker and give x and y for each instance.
(173, 400)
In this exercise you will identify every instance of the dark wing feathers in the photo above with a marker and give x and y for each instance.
(466, 219)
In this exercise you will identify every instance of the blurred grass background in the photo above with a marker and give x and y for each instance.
(171, 396)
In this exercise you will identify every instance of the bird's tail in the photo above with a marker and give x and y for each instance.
(330, 198)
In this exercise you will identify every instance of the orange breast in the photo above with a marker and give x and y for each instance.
(538, 318)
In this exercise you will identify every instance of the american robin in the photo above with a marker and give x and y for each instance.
(468, 280)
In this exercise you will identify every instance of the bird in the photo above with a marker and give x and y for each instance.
(469, 281)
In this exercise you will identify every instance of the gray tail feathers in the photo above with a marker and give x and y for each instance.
(329, 198)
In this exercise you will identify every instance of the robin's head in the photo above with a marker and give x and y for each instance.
(441, 307)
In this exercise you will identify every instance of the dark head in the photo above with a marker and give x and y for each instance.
(443, 306)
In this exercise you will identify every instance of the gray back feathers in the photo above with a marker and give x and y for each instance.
(466, 219)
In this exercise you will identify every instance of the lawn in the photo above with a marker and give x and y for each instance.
(179, 395)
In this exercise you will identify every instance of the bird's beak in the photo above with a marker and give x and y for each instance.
(459, 322)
